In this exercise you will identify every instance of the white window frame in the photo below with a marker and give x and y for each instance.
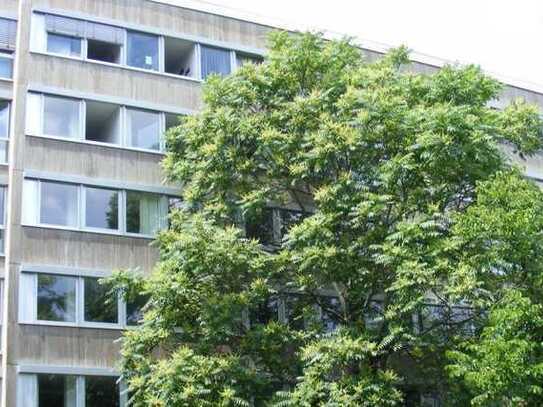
(3, 191)
(38, 46)
(28, 304)
(8, 131)
(82, 137)
(82, 48)
(9, 56)
(80, 224)
(27, 383)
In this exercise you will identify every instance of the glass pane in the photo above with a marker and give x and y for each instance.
(62, 44)
(4, 119)
(58, 204)
(2, 204)
(101, 208)
(143, 50)
(6, 67)
(215, 60)
(265, 312)
(61, 117)
(144, 129)
(242, 59)
(142, 212)
(101, 391)
(4, 150)
(56, 390)
(134, 309)
(56, 298)
(330, 311)
(99, 307)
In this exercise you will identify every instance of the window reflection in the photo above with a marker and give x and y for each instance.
(99, 306)
(56, 298)
(102, 208)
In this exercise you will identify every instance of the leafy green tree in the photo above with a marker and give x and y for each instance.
(397, 256)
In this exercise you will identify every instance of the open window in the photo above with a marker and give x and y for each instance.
(180, 57)
(103, 51)
(103, 122)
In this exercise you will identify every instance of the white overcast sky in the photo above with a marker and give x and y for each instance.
(503, 36)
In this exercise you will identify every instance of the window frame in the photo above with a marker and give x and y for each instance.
(3, 219)
(80, 224)
(124, 131)
(161, 54)
(82, 45)
(28, 380)
(29, 314)
(11, 58)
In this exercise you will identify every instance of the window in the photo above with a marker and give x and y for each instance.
(68, 390)
(71, 300)
(98, 306)
(3, 198)
(101, 208)
(102, 391)
(215, 61)
(272, 224)
(4, 130)
(6, 65)
(61, 117)
(180, 57)
(59, 204)
(330, 312)
(64, 45)
(103, 51)
(103, 122)
(56, 390)
(142, 50)
(93, 208)
(143, 129)
(143, 212)
(56, 298)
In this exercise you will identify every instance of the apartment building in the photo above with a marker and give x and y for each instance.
(87, 90)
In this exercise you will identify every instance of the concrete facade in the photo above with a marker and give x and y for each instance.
(32, 346)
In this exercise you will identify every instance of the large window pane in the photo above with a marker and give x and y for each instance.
(144, 129)
(215, 60)
(6, 66)
(58, 204)
(101, 208)
(142, 212)
(2, 205)
(63, 44)
(4, 119)
(56, 298)
(99, 307)
(143, 50)
(56, 390)
(61, 117)
(101, 391)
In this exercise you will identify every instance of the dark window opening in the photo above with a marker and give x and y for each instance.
(179, 57)
(103, 51)
(103, 122)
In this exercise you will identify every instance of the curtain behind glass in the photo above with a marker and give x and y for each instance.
(215, 60)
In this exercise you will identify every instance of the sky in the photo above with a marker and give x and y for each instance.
(505, 37)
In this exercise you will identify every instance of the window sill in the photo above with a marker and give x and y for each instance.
(110, 327)
(99, 144)
(120, 66)
(91, 231)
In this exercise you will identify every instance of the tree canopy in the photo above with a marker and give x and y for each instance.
(353, 233)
